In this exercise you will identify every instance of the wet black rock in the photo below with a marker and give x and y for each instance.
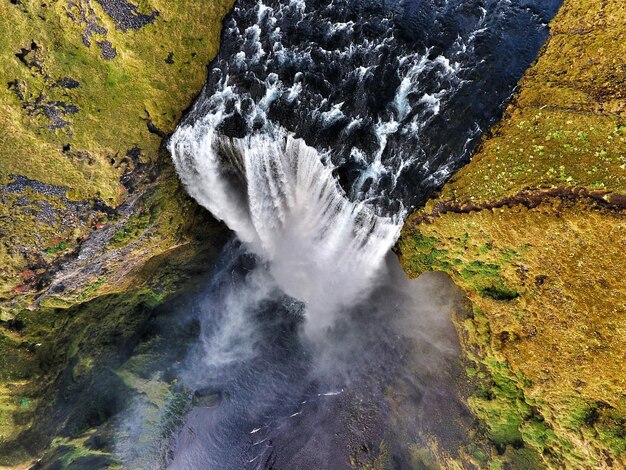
(107, 50)
(101, 440)
(68, 83)
(154, 129)
(18, 87)
(126, 15)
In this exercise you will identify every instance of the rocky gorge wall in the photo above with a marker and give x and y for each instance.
(534, 231)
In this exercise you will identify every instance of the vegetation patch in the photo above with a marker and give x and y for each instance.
(100, 356)
(89, 91)
(533, 231)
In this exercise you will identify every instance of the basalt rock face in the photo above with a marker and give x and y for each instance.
(88, 197)
(534, 231)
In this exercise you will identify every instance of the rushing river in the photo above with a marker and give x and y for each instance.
(321, 125)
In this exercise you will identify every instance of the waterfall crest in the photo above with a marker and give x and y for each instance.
(275, 192)
(323, 122)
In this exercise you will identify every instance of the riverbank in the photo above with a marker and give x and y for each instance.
(90, 203)
(534, 231)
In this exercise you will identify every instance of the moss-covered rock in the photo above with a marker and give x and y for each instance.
(73, 370)
(534, 231)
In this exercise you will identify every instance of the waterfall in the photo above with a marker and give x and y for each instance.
(322, 123)
(275, 192)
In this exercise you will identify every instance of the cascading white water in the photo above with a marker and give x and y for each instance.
(279, 194)
(274, 191)
(365, 93)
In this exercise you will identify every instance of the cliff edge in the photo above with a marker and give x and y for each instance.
(533, 229)
(89, 201)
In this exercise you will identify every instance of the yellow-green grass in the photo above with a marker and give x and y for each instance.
(546, 285)
(115, 98)
(533, 229)
(157, 71)
(567, 125)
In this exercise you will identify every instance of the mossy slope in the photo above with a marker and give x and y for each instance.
(62, 90)
(81, 366)
(89, 201)
(89, 90)
(534, 231)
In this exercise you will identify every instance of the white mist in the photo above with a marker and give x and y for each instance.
(274, 191)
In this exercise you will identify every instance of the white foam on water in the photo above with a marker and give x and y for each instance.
(274, 191)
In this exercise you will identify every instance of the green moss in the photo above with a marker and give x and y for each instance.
(61, 247)
(90, 290)
(478, 269)
(499, 292)
(611, 429)
(17, 359)
(425, 257)
(422, 458)
(501, 405)
(541, 261)
(135, 226)
(177, 407)
(67, 454)
(486, 280)
(104, 135)
(419, 254)
(536, 434)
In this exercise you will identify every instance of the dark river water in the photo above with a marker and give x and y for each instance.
(386, 371)
(321, 125)
(395, 93)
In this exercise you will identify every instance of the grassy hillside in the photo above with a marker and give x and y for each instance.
(88, 197)
(534, 231)
(91, 87)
